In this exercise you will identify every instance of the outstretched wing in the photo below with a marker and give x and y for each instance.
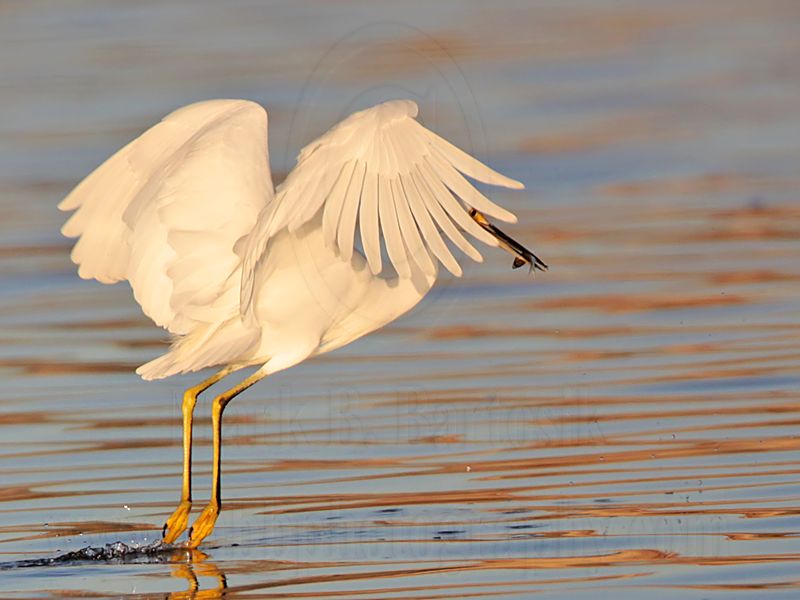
(165, 212)
(383, 171)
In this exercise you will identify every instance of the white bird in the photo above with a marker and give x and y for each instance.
(242, 273)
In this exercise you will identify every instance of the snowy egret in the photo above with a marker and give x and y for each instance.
(243, 274)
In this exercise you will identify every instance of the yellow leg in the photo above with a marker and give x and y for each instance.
(176, 524)
(204, 524)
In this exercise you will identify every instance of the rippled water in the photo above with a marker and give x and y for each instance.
(625, 424)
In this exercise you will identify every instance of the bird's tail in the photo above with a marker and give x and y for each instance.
(161, 367)
(207, 346)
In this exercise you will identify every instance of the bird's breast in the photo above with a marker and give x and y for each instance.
(307, 295)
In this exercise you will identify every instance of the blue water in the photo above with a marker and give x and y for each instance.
(624, 424)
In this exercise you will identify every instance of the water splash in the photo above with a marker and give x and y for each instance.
(116, 552)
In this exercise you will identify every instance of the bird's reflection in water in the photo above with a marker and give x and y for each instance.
(191, 565)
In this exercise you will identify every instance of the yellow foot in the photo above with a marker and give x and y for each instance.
(204, 524)
(177, 523)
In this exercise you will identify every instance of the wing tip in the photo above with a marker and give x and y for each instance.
(375, 266)
(503, 181)
(67, 231)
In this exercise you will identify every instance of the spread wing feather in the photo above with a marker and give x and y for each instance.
(382, 172)
(165, 212)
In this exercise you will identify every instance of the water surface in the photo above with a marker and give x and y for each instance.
(625, 424)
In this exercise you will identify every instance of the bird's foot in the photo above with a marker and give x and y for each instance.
(204, 524)
(177, 523)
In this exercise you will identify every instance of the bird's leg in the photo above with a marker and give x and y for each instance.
(176, 524)
(204, 524)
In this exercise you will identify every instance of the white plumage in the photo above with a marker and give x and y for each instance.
(188, 215)
(243, 274)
